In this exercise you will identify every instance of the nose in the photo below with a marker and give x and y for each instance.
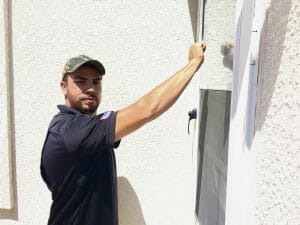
(91, 89)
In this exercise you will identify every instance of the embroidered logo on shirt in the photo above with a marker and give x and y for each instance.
(105, 115)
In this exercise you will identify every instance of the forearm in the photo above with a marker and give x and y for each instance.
(161, 98)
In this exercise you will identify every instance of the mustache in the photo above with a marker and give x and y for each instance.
(89, 97)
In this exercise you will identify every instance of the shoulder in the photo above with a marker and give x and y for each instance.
(106, 115)
(60, 121)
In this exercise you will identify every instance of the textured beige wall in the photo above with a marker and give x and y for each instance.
(277, 133)
(140, 43)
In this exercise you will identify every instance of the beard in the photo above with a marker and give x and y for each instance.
(84, 104)
(88, 109)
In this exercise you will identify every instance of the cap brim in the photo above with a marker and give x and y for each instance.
(95, 63)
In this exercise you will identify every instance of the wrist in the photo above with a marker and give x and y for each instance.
(195, 62)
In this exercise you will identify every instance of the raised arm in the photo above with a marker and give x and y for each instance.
(161, 98)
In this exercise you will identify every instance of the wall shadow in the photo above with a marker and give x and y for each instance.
(13, 212)
(130, 211)
(273, 35)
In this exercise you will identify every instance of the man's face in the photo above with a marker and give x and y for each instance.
(82, 89)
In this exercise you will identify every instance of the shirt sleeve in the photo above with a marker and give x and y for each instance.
(90, 133)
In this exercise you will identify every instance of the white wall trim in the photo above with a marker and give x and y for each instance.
(240, 180)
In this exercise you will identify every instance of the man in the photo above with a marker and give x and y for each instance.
(78, 162)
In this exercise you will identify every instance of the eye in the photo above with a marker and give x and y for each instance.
(80, 82)
(97, 82)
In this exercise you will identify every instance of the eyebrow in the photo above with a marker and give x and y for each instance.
(79, 77)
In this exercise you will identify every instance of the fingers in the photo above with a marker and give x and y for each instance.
(202, 44)
(196, 52)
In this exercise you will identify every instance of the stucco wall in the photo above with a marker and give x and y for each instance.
(277, 133)
(140, 43)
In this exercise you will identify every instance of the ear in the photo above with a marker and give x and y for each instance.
(64, 87)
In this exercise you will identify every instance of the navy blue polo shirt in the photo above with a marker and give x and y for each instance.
(78, 166)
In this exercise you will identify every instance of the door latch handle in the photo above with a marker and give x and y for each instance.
(192, 115)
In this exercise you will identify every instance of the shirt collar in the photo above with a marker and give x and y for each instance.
(68, 110)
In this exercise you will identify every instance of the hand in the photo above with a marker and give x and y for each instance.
(196, 52)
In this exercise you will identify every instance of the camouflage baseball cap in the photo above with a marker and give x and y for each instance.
(74, 63)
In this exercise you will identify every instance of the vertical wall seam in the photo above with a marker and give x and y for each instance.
(10, 107)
